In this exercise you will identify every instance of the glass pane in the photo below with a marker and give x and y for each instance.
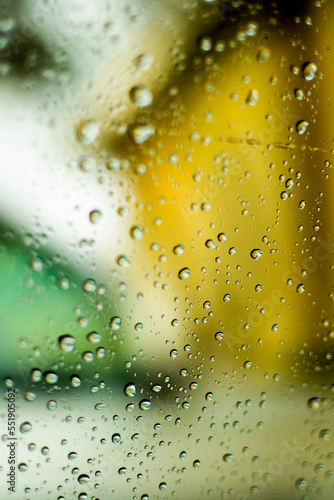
(166, 249)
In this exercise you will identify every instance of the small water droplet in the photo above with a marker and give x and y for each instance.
(173, 353)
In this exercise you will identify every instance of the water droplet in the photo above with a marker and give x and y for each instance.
(221, 237)
(83, 478)
(130, 390)
(95, 216)
(301, 484)
(123, 261)
(252, 97)
(115, 323)
(184, 273)
(23, 467)
(122, 471)
(136, 232)
(66, 343)
(144, 61)
(89, 285)
(25, 427)
(36, 375)
(87, 132)
(196, 464)
(88, 356)
(301, 126)
(325, 434)
(87, 164)
(64, 283)
(247, 364)
(262, 55)
(116, 438)
(72, 456)
(208, 396)
(51, 404)
(141, 133)
(173, 353)
(156, 388)
(300, 288)
(256, 254)
(30, 396)
(228, 457)
(309, 71)
(162, 486)
(75, 381)
(36, 264)
(94, 337)
(178, 249)
(205, 43)
(227, 297)
(299, 94)
(141, 96)
(313, 403)
(144, 404)
(50, 377)
(219, 336)
(258, 288)
(210, 244)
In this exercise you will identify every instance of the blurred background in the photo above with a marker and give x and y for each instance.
(166, 253)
